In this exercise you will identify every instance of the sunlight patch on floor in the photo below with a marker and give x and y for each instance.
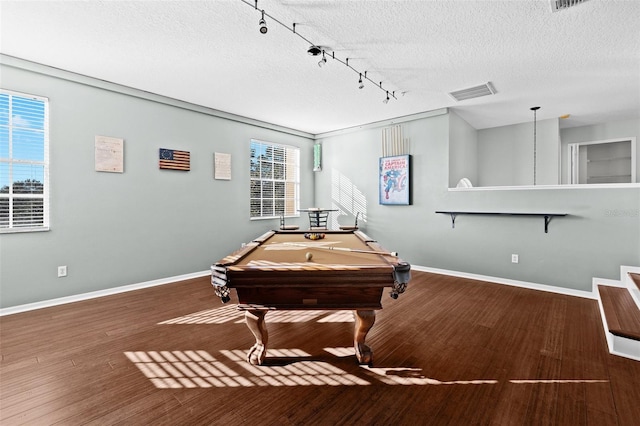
(341, 352)
(231, 313)
(547, 381)
(285, 367)
(209, 316)
(338, 316)
(414, 376)
(185, 369)
(199, 369)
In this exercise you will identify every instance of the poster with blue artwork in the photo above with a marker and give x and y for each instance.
(395, 180)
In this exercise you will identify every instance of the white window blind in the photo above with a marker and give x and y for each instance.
(24, 162)
(275, 179)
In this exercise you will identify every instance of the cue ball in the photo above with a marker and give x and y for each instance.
(309, 255)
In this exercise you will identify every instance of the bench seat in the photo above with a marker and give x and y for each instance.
(621, 312)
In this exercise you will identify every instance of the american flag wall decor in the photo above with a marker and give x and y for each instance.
(175, 160)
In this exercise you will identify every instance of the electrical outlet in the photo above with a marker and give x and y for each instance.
(514, 258)
(62, 271)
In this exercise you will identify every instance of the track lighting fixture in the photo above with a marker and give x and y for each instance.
(315, 50)
(322, 61)
(263, 24)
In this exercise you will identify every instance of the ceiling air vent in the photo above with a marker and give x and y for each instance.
(558, 5)
(473, 92)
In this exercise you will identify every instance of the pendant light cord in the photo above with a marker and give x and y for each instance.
(535, 110)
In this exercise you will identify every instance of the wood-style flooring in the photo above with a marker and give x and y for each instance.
(449, 351)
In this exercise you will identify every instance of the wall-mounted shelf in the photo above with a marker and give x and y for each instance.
(547, 216)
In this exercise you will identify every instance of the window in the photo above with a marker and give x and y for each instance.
(24, 162)
(275, 179)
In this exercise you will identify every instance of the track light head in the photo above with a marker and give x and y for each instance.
(322, 61)
(360, 83)
(386, 101)
(263, 24)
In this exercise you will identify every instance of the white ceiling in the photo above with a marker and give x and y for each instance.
(583, 61)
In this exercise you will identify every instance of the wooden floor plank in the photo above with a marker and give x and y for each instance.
(448, 351)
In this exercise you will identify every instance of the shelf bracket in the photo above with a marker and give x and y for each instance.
(547, 219)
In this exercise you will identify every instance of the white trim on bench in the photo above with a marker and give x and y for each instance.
(618, 345)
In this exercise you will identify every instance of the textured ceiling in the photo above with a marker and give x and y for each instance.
(583, 61)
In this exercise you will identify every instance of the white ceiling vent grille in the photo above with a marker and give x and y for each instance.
(558, 5)
(473, 92)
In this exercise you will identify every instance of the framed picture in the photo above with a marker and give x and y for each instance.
(221, 166)
(172, 159)
(394, 180)
(109, 153)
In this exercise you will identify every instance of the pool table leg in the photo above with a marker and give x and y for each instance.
(255, 322)
(364, 322)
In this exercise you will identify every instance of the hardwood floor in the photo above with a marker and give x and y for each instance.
(448, 351)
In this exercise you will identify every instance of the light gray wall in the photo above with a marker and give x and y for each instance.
(352, 160)
(599, 132)
(505, 154)
(601, 234)
(118, 229)
(463, 151)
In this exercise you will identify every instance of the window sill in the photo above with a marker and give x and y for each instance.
(23, 230)
(273, 217)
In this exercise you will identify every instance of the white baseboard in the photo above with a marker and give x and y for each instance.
(505, 281)
(100, 293)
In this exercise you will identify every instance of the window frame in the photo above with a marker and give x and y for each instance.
(11, 161)
(290, 183)
(576, 171)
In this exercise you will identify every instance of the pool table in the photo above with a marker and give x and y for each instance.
(291, 270)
